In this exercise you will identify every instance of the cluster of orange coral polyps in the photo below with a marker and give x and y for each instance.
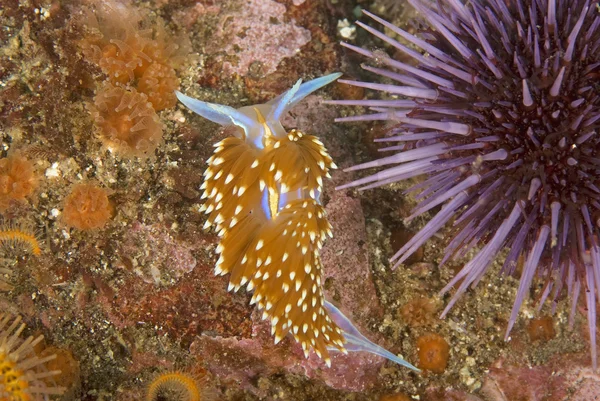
(130, 54)
(159, 83)
(87, 207)
(17, 180)
(119, 61)
(126, 122)
(419, 311)
(111, 42)
(22, 373)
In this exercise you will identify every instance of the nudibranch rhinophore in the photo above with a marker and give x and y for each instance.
(262, 189)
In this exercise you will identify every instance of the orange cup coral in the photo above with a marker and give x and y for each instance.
(419, 312)
(17, 180)
(394, 397)
(159, 83)
(113, 41)
(87, 207)
(434, 352)
(64, 362)
(541, 329)
(126, 121)
(119, 40)
(119, 59)
(14, 236)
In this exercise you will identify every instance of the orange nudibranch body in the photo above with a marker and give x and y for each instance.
(262, 189)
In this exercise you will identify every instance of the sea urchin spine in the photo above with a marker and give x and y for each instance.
(502, 117)
(22, 372)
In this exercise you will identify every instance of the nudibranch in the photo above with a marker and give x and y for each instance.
(262, 189)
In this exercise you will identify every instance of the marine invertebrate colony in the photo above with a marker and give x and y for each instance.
(87, 207)
(17, 179)
(262, 189)
(126, 123)
(129, 50)
(541, 329)
(503, 117)
(22, 376)
(434, 352)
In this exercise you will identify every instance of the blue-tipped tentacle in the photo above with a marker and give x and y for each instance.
(283, 102)
(220, 114)
(247, 118)
(307, 88)
(355, 341)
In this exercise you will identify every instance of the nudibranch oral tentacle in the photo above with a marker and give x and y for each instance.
(262, 189)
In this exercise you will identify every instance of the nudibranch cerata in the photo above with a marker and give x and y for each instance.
(262, 189)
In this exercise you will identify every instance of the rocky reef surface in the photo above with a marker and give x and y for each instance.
(127, 292)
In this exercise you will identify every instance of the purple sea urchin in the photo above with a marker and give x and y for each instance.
(502, 116)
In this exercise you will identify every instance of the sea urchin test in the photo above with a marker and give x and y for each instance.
(262, 189)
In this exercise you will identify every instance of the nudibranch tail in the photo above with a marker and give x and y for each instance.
(355, 341)
(288, 276)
